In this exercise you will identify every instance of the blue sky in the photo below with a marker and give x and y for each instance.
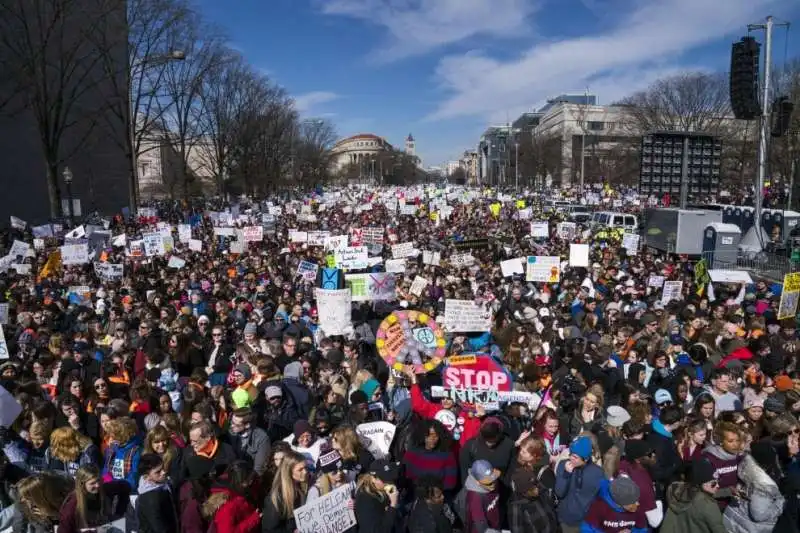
(444, 70)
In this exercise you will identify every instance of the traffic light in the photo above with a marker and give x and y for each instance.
(744, 79)
(782, 109)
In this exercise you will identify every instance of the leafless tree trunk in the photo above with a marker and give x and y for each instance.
(50, 69)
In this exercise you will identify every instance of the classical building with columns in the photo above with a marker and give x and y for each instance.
(358, 149)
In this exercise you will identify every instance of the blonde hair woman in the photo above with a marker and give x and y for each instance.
(355, 457)
(289, 491)
(331, 475)
(159, 441)
(122, 457)
(70, 450)
(39, 499)
(377, 497)
(92, 503)
(589, 412)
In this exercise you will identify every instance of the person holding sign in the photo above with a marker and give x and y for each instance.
(289, 491)
(92, 503)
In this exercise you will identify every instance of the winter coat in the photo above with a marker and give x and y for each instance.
(668, 462)
(576, 491)
(88, 456)
(273, 522)
(155, 508)
(254, 448)
(373, 515)
(499, 456)
(758, 511)
(789, 522)
(606, 516)
(691, 511)
(576, 425)
(122, 462)
(425, 518)
(726, 466)
(191, 515)
(232, 512)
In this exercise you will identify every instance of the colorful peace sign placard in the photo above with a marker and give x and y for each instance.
(411, 338)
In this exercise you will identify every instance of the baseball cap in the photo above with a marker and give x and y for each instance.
(616, 416)
(663, 396)
(624, 491)
(483, 472)
(386, 471)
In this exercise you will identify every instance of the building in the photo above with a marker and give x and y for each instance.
(451, 167)
(469, 162)
(494, 151)
(160, 169)
(93, 144)
(358, 149)
(411, 146)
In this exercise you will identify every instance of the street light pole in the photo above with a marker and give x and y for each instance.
(67, 174)
(516, 166)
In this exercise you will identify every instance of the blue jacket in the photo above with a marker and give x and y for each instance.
(122, 462)
(576, 491)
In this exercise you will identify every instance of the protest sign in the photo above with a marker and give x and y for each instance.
(403, 250)
(352, 257)
(466, 316)
(328, 514)
(378, 436)
(543, 269)
(10, 408)
(253, 233)
(540, 230)
(75, 254)
(334, 310)
(484, 374)
(307, 270)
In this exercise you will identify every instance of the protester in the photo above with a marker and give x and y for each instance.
(402, 350)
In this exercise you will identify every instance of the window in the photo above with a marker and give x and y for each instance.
(595, 126)
(618, 220)
(630, 221)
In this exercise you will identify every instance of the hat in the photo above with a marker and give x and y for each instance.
(302, 426)
(386, 471)
(703, 471)
(273, 391)
(582, 447)
(369, 387)
(624, 491)
(753, 400)
(616, 416)
(483, 472)
(662, 396)
(293, 370)
(244, 370)
(636, 449)
(358, 397)
(676, 340)
(775, 403)
(783, 383)
(335, 356)
(203, 318)
(250, 329)
(330, 462)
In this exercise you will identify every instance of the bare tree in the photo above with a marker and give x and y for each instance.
(154, 29)
(312, 151)
(51, 69)
(181, 107)
(784, 158)
(692, 101)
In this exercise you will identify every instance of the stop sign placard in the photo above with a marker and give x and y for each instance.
(484, 374)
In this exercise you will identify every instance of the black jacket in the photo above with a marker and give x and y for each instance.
(273, 522)
(373, 515)
(155, 511)
(427, 519)
(499, 456)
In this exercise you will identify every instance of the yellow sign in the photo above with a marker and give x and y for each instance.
(787, 308)
(791, 282)
(456, 360)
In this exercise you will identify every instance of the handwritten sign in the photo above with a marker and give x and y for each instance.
(327, 514)
(466, 316)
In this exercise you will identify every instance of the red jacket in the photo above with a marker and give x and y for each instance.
(739, 354)
(236, 515)
(427, 409)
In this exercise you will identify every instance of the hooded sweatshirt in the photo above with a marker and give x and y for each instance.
(691, 511)
(605, 516)
(726, 466)
(576, 491)
(155, 509)
(483, 507)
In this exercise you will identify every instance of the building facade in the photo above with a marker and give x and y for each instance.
(469, 162)
(357, 150)
(160, 169)
(494, 153)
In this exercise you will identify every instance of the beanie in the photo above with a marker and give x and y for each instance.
(582, 447)
(702, 472)
(370, 386)
(624, 491)
(244, 370)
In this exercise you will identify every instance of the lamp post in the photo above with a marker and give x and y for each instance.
(67, 175)
(516, 166)
(141, 65)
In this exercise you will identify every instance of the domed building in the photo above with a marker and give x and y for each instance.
(357, 149)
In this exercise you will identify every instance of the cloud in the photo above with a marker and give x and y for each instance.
(306, 102)
(417, 27)
(647, 44)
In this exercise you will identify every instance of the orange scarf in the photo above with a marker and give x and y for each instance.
(210, 449)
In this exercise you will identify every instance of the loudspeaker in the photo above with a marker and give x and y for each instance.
(744, 79)
(782, 109)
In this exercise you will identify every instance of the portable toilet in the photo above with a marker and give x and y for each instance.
(747, 219)
(721, 245)
(786, 222)
(768, 221)
(731, 214)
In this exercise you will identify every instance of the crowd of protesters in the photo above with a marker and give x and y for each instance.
(209, 398)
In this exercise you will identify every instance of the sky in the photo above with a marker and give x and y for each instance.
(445, 70)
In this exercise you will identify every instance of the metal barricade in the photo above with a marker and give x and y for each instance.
(760, 264)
